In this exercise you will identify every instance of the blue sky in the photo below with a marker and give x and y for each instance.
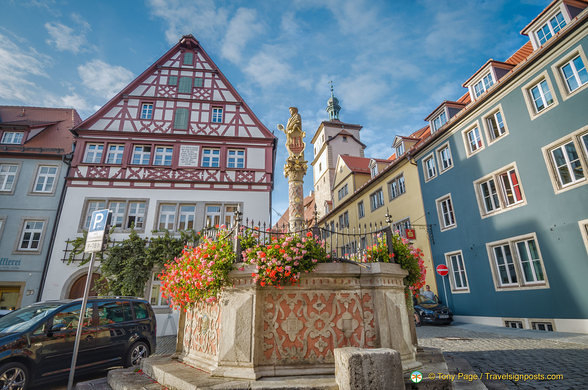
(392, 62)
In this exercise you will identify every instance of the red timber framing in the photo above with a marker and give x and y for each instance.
(176, 113)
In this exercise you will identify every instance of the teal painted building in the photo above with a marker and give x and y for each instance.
(504, 177)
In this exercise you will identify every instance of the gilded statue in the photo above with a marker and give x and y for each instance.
(294, 134)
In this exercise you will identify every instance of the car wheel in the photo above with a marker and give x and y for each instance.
(14, 376)
(137, 352)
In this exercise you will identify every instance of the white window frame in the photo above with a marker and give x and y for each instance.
(460, 271)
(211, 157)
(186, 217)
(517, 266)
(373, 165)
(360, 210)
(342, 192)
(501, 191)
(212, 218)
(401, 226)
(436, 125)
(441, 212)
(91, 205)
(119, 210)
(442, 161)
(229, 211)
(485, 83)
(552, 29)
(32, 231)
(396, 187)
(467, 141)
(376, 199)
(12, 137)
(164, 154)
(147, 111)
(114, 154)
(8, 170)
(134, 209)
(217, 115)
(42, 178)
(166, 217)
(400, 149)
(427, 169)
(556, 68)
(344, 220)
(236, 158)
(529, 101)
(489, 128)
(141, 152)
(579, 141)
(93, 153)
(159, 301)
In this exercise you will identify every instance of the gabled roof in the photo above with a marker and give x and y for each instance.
(491, 62)
(446, 103)
(576, 3)
(356, 164)
(187, 41)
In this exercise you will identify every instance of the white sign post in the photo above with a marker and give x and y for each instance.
(94, 242)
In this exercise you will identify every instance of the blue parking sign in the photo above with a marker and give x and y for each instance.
(96, 231)
(98, 221)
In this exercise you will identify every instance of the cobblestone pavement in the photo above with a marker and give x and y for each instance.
(499, 351)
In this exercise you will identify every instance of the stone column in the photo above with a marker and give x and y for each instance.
(295, 173)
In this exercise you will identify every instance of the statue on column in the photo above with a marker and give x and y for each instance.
(294, 143)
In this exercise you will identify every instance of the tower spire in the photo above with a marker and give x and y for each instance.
(333, 106)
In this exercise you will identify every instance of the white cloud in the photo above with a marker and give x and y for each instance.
(105, 79)
(76, 101)
(242, 28)
(198, 17)
(18, 66)
(65, 38)
(268, 70)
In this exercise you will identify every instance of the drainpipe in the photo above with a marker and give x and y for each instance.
(67, 160)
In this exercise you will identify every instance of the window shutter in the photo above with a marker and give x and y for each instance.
(188, 58)
(198, 82)
(172, 80)
(181, 119)
(185, 85)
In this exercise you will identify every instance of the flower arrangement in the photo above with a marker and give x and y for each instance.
(281, 260)
(378, 253)
(199, 273)
(411, 260)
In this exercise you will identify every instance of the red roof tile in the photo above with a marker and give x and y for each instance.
(521, 54)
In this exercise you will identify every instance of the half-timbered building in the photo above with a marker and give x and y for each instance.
(177, 149)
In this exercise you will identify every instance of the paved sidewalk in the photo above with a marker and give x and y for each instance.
(502, 351)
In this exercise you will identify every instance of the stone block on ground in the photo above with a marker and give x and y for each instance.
(377, 369)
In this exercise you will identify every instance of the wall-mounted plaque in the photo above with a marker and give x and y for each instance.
(189, 155)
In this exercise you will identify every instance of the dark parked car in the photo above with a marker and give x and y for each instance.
(431, 311)
(37, 341)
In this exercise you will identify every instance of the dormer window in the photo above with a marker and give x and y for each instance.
(550, 28)
(400, 149)
(482, 85)
(12, 137)
(439, 121)
(373, 168)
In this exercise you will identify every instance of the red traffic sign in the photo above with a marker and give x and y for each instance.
(442, 269)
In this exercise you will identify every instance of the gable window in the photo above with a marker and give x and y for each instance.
(163, 155)
(373, 168)
(141, 154)
(541, 96)
(439, 121)
(342, 192)
(458, 278)
(93, 153)
(445, 212)
(188, 57)
(495, 126)
(483, 85)
(445, 160)
(30, 239)
(516, 262)
(344, 138)
(473, 140)
(45, 180)
(430, 168)
(12, 137)
(377, 199)
(396, 187)
(550, 28)
(198, 82)
(360, 210)
(185, 85)
(400, 149)
(115, 154)
(210, 158)
(181, 119)
(217, 115)
(7, 177)
(236, 158)
(499, 191)
(172, 80)
(146, 110)
(574, 73)
(567, 160)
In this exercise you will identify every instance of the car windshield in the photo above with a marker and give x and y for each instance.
(22, 319)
